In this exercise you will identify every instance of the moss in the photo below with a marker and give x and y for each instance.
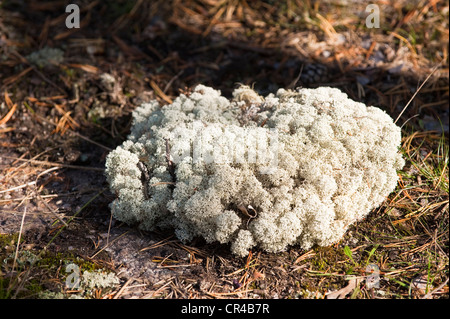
(51, 260)
(8, 243)
(31, 289)
(328, 256)
(8, 240)
(48, 268)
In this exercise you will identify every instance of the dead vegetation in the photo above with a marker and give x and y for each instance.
(60, 117)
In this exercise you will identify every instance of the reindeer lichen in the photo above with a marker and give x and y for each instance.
(295, 167)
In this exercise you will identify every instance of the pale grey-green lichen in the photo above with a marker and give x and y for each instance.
(295, 167)
(99, 279)
(89, 282)
(46, 56)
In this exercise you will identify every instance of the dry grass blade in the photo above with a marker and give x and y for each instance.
(160, 243)
(214, 20)
(294, 82)
(65, 122)
(430, 294)
(19, 238)
(73, 217)
(220, 295)
(85, 67)
(326, 26)
(122, 289)
(417, 91)
(159, 92)
(306, 255)
(18, 187)
(12, 109)
(159, 290)
(57, 164)
(16, 77)
(191, 250)
(108, 244)
(51, 210)
(408, 44)
(29, 183)
(74, 132)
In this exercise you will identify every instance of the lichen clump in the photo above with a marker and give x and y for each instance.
(295, 167)
(46, 56)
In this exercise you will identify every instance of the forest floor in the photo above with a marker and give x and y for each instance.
(66, 101)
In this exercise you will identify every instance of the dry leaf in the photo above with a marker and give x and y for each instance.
(257, 275)
(341, 293)
(420, 284)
